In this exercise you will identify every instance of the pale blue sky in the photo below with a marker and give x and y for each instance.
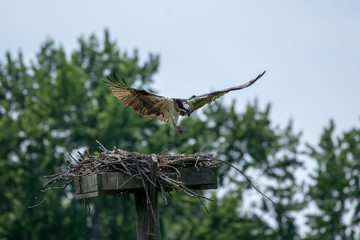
(310, 49)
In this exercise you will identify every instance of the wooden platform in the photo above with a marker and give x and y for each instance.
(110, 183)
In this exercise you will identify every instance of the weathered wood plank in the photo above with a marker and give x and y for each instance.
(141, 214)
(110, 183)
(199, 178)
(87, 187)
(119, 181)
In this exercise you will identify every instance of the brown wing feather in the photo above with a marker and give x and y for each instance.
(197, 102)
(139, 100)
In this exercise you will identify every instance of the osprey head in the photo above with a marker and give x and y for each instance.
(184, 106)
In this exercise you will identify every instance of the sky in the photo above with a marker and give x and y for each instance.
(310, 49)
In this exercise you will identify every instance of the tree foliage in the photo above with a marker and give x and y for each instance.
(54, 105)
(59, 104)
(336, 189)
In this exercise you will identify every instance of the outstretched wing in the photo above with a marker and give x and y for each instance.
(196, 102)
(139, 100)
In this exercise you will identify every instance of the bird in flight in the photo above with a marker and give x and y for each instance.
(163, 108)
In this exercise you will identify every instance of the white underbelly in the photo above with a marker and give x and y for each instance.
(167, 110)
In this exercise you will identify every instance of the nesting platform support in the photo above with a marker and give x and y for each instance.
(147, 224)
(147, 219)
(112, 183)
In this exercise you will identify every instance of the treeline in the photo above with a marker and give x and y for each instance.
(59, 104)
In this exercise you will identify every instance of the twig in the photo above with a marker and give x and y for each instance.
(253, 185)
(41, 202)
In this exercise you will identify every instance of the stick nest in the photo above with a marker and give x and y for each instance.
(135, 165)
(138, 165)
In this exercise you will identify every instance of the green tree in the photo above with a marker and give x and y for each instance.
(59, 103)
(336, 191)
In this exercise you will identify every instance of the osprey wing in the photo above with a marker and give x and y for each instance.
(197, 102)
(139, 100)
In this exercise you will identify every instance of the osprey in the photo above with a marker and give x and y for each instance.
(163, 108)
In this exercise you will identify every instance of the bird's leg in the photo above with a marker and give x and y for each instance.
(178, 129)
(174, 121)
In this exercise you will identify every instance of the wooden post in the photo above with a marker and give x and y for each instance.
(141, 214)
(111, 183)
(153, 220)
(147, 224)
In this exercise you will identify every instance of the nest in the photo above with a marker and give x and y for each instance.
(135, 165)
(140, 166)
